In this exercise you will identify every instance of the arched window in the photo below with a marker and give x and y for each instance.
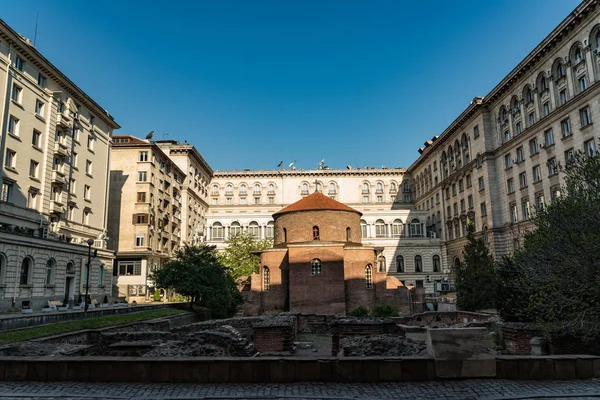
(271, 189)
(305, 188)
(363, 229)
(215, 189)
(561, 71)
(70, 268)
(365, 188)
(318, 187)
(267, 278)
(416, 228)
(235, 229)
(381, 264)
(50, 269)
(315, 267)
(348, 236)
(418, 264)
(397, 228)
(26, 266)
(332, 188)
(316, 233)
(254, 229)
(436, 263)
(399, 264)
(284, 235)
(515, 106)
(543, 82)
(578, 55)
(380, 228)
(2, 268)
(101, 275)
(217, 232)
(229, 190)
(393, 187)
(528, 95)
(456, 264)
(379, 187)
(270, 229)
(243, 189)
(256, 189)
(369, 277)
(597, 40)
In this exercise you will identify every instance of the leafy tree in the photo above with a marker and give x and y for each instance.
(196, 273)
(360, 312)
(383, 310)
(238, 256)
(554, 279)
(476, 275)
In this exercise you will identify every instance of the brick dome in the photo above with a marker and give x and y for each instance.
(316, 202)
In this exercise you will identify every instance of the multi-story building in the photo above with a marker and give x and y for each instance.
(54, 152)
(145, 211)
(501, 158)
(194, 196)
(246, 201)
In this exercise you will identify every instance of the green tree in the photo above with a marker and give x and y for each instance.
(196, 273)
(475, 277)
(554, 279)
(238, 256)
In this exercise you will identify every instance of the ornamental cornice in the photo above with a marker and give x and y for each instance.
(310, 173)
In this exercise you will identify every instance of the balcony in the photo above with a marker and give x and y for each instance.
(58, 177)
(60, 149)
(62, 119)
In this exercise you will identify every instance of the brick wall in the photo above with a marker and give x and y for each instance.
(274, 338)
(332, 226)
(517, 337)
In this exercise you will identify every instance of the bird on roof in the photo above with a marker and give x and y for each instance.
(280, 164)
(149, 135)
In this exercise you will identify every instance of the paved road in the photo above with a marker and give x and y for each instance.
(471, 389)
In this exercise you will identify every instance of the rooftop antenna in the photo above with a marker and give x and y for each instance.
(37, 17)
(165, 134)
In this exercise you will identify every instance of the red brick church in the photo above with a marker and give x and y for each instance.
(319, 265)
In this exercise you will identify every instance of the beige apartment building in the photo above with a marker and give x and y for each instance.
(55, 152)
(407, 248)
(502, 157)
(145, 212)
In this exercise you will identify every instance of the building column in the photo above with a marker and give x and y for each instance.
(589, 57)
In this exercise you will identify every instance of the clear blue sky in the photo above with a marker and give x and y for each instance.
(251, 83)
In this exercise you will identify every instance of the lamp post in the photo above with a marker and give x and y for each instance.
(90, 242)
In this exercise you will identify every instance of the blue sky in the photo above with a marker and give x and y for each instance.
(251, 83)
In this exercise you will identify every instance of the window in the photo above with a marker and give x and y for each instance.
(513, 213)
(461, 186)
(510, 185)
(90, 142)
(50, 267)
(142, 176)
(380, 229)
(393, 188)
(537, 174)
(523, 180)
(10, 160)
(520, 154)
(506, 135)
(217, 232)
(74, 159)
(365, 188)
(561, 70)
(235, 229)
(141, 197)
(271, 189)
(418, 264)
(256, 189)
(369, 277)
(363, 229)
(242, 200)
(36, 138)
(365, 199)
(481, 183)
(507, 161)
(462, 205)
(101, 275)
(483, 208)
(271, 200)
(19, 63)
(555, 192)
(228, 190)
(215, 189)
(590, 148)
(585, 116)
(141, 219)
(254, 229)
(257, 200)
(243, 190)
(468, 179)
(525, 209)
(88, 167)
(569, 156)
(379, 188)
(33, 168)
(416, 229)
(16, 94)
(470, 202)
(86, 216)
(381, 264)
(531, 118)
(41, 80)
(562, 97)
(130, 268)
(32, 199)
(518, 127)
(214, 202)
(533, 146)
(270, 230)
(546, 108)
(266, 279)
(436, 263)
(315, 267)
(13, 126)
(397, 228)
(318, 187)
(399, 264)
(539, 201)
(39, 108)
(454, 189)
(476, 131)
(304, 189)
(139, 240)
(578, 55)
(552, 167)
(86, 192)
(315, 233)
(25, 271)
(143, 156)
(583, 83)
(565, 127)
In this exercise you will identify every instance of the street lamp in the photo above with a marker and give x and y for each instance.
(90, 242)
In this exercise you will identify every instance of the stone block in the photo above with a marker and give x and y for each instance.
(36, 371)
(196, 372)
(390, 371)
(16, 371)
(219, 372)
(342, 371)
(281, 371)
(56, 371)
(458, 343)
(529, 369)
(565, 368)
(547, 369)
(416, 369)
(584, 368)
(241, 371)
(307, 371)
(261, 372)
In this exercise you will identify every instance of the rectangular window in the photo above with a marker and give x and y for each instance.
(525, 209)
(523, 180)
(32, 196)
(468, 179)
(36, 139)
(510, 185)
(461, 186)
(546, 108)
(507, 161)
(228, 201)
(476, 131)
(365, 199)
(139, 240)
(141, 218)
(562, 95)
(481, 184)
(586, 116)
(447, 193)
(242, 200)
(41, 81)
(143, 156)
(141, 197)
(17, 94)
(86, 217)
(213, 201)
(380, 199)
(6, 192)
(87, 192)
(76, 135)
(462, 205)
(514, 217)
(533, 146)
(583, 83)
(520, 154)
(537, 174)
(39, 108)
(470, 202)
(569, 156)
(455, 206)
(590, 148)
(565, 127)
(506, 135)
(130, 268)
(72, 186)
(13, 126)
(539, 201)
(88, 167)
(74, 160)
(90, 142)
(142, 176)
(552, 167)
(555, 193)
(483, 209)
(272, 199)
(531, 118)
(33, 168)
(10, 161)
(454, 189)
(19, 63)
(257, 200)
(519, 127)
(548, 138)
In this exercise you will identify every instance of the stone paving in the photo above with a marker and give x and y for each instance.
(484, 389)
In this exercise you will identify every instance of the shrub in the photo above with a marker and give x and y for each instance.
(384, 311)
(360, 312)
(105, 301)
(156, 296)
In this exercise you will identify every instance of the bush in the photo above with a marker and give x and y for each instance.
(384, 311)
(156, 296)
(360, 312)
(105, 301)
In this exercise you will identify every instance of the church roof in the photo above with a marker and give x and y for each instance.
(314, 202)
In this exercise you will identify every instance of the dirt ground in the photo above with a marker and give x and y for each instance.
(321, 343)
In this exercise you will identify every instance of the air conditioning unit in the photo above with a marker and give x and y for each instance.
(433, 235)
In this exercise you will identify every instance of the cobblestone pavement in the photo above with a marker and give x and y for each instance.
(470, 389)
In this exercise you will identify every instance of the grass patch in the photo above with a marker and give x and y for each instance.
(90, 323)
